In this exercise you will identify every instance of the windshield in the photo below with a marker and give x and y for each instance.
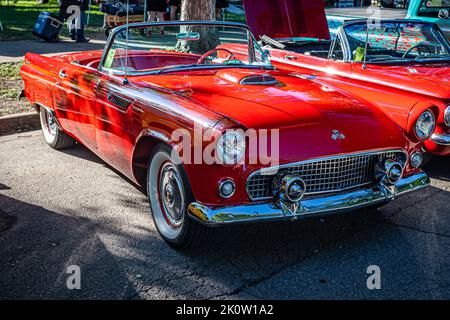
(396, 41)
(158, 48)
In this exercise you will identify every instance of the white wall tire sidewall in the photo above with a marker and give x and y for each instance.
(48, 136)
(167, 231)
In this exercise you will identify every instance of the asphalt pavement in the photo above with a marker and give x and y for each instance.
(61, 209)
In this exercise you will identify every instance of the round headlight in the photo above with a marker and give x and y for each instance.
(231, 147)
(425, 125)
(447, 116)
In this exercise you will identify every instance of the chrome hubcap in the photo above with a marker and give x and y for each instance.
(51, 123)
(171, 195)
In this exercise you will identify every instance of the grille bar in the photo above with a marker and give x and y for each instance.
(325, 175)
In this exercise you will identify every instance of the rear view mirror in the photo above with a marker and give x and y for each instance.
(443, 14)
(188, 36)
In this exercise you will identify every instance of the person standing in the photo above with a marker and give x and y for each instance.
(156, 9)
(75, 12)
(220, 5)
(174, 5)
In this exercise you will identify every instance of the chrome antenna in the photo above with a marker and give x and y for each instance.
(125, 79)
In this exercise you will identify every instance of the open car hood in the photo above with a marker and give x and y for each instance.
(287, 18)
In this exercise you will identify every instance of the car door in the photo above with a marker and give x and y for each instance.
(75, 101)
(117, 122)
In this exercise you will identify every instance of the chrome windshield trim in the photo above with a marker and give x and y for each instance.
(308, 207)
(118, 29)
(437, 32)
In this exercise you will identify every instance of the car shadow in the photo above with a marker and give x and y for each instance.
(439, 168)
(36, 252)
(122, 256)
(84, 153)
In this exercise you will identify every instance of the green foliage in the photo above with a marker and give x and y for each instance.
(10, 70)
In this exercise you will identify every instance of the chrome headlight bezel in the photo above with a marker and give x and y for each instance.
(447, 116)
(231, 147)
(417, 127)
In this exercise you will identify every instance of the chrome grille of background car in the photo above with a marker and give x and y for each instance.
(325, 175)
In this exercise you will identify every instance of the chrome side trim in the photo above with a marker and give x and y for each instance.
(312, 206)
(442, 139)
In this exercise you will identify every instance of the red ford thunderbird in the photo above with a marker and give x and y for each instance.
(402, 66)
(142, 103)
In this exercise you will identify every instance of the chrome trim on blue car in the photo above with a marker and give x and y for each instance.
(442, 139)
(326, 204)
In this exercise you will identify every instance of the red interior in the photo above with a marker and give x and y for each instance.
(141, 61)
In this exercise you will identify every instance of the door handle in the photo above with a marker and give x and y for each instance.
(62, 73)
(290, 57)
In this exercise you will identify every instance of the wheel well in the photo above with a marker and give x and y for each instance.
(141, 157)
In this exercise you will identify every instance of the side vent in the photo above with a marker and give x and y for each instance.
(119, 102)
(259, 80)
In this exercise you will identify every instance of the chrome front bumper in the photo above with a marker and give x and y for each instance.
(334, 203)
(442, 139)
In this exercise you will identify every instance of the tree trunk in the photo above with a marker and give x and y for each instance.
(209, 36)
(198, 9)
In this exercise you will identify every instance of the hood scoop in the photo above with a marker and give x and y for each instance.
(248, 78)
(259, 80)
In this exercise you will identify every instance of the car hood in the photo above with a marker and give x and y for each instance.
(430, 79)
(287, 18)
(294, 104)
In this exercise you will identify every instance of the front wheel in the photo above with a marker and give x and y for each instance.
(169, 196)
(53, 135)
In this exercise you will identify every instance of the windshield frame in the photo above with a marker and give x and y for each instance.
(117, 30)
(436, 31)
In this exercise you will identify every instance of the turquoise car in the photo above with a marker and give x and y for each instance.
(436, 11)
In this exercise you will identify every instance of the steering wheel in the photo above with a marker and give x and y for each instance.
(210, 52)
(417, 46)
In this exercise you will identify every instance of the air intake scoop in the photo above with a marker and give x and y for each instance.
(259, 80)
(248, 78)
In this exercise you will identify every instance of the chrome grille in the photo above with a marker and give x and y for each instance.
(325, 175)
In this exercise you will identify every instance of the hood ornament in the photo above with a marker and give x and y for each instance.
(337, 135)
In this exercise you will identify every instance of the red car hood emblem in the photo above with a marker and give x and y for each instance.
(287, 18)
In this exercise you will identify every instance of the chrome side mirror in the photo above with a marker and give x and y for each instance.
(443, 14)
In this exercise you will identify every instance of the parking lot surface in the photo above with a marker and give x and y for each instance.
(59, 209)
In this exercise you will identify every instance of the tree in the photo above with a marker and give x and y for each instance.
(209, 36)
(198, 9)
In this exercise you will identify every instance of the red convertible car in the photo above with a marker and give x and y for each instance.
(138, 104)
(402, 66)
